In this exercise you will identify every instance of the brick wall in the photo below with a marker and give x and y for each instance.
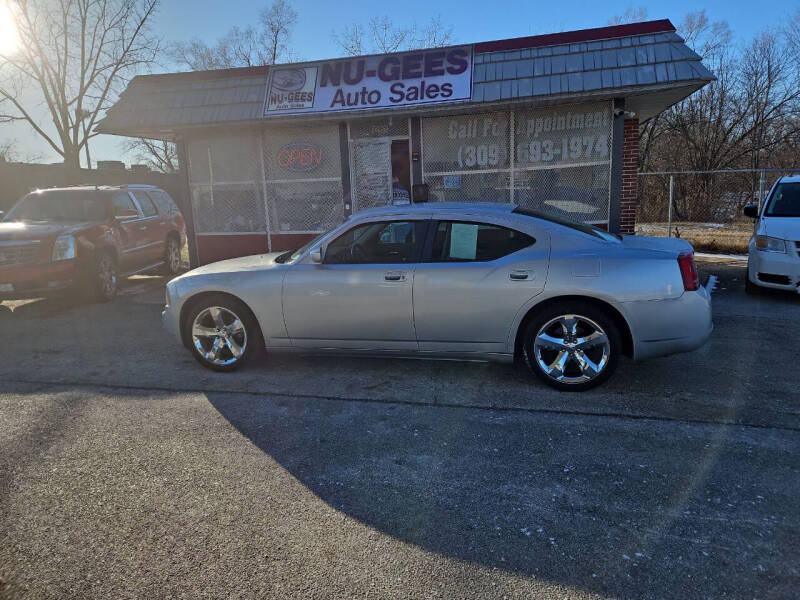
(630, 176)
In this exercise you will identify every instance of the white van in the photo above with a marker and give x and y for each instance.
(774, 254)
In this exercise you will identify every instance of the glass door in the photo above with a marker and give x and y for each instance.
(371, 162)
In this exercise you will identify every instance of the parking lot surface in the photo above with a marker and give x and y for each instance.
(127, 470)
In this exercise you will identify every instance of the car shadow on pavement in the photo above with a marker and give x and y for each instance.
(623, 509)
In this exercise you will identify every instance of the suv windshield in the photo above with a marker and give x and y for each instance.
(59, 205)
(785, 201)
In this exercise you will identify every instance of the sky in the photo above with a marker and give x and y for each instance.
(470, 20)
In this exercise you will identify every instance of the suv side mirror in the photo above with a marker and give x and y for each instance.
(316, 255)
(751, 210)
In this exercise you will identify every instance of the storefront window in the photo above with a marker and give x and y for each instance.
(225, 178)
(555, 160)
(562, 161)
(466, 158)
(303, 178)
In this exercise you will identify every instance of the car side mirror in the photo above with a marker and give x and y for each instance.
(751, 210)
(316, 255)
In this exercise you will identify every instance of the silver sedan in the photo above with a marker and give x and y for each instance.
(452, 280)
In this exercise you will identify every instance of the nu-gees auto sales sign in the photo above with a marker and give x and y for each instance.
(363, 82)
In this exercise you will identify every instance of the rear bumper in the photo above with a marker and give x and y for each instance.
(32, 281)
(774, 269)
(663, 327)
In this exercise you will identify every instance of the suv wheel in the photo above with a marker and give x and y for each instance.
(104, 277)
(172, 257)
(572, 347)
(222, 332)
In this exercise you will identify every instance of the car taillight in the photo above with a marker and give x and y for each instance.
(691, 280)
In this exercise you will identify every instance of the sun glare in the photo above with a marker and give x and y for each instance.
(9, 39)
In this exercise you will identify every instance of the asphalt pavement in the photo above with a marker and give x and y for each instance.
(128, 471)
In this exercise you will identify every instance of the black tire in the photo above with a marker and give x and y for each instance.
(172, 257)
(104, 277)
(224, 358)
(588, 317)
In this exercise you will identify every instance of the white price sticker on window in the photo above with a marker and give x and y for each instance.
(463, 241)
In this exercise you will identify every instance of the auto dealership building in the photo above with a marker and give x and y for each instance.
(549, 122)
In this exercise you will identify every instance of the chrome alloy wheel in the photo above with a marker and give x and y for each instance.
(173, 256)
(107, 276)
(219, 335)
(571, 349)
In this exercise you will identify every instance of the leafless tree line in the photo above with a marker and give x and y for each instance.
(75, 56)
(748, 118)
(381, 36)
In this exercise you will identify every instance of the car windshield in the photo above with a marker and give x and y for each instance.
(293, 255)
(60, 205)
(785, 201)
(582, 227)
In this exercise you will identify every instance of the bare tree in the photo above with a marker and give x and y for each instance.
(433, 35)
(159, 155)
(351, 39)
(386, 37)
(73, 55)
(266, 44)
(381, 36)
(8, 151)
(631, 15)
(276, 23)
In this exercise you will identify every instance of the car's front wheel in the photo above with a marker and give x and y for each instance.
(104, 277)
(573, 346)
(222, 332)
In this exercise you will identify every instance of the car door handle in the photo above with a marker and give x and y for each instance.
(394, 276)
(518, 275)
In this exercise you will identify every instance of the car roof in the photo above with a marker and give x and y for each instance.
(790, 179)
(486, 208)
(99, 188)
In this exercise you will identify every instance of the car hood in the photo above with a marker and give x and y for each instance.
(244, 263)
(643, 242)
(786, 228)
(22, 231)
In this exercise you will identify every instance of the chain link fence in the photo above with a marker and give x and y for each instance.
(703, 207)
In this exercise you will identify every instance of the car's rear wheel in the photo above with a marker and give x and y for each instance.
(105, 277)
(172, 257)
(573, 346)
(222, 332)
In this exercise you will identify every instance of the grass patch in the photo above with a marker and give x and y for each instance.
(723, 238)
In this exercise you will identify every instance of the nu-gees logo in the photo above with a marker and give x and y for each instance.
(300, 157)
(289, 80)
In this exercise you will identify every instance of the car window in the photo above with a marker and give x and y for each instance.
(459, 241)
(166, 205)
(124, 208)
(785, 201)
(147, 206)
(381, 242)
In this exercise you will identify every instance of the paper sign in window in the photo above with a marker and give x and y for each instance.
(463, 241)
